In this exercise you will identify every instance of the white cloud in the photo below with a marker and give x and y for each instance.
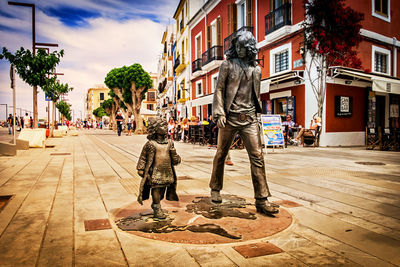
(90, 52)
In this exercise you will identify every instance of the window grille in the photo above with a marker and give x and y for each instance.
(282, 61)
(380, 62)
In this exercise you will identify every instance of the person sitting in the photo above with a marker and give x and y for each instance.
(193, 121)
(185, 129)
(313, 126)
(289, 123)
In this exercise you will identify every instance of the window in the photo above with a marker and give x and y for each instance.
(198, 46)
(199, 88)
(381, 9)
(213, 33)
(241, 14)
(151, 96)
(101, 96)
(214, 79)
(381, 60)
(282, 61)
(149, 106)
(281, 58)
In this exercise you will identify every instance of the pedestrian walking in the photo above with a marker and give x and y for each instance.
(119, 120)
(27, 121)
(129, 124)
(10, 122)
(22, 122)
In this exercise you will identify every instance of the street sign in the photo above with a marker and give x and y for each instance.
(46, 98)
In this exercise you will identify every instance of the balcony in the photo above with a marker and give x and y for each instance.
(228, 40)
(214, 53)
(196, 65)
(278, 18)
(179, 65)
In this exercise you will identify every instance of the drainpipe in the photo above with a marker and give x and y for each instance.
(256, 23)
(205, 35)
(394, 57)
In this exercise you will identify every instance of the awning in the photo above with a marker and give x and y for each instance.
(280, 78)
(380, 83)
(203, 100)
(145, 111)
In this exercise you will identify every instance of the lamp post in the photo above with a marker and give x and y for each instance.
(34, 44)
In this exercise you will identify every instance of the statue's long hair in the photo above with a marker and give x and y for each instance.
(250, 44)
(154, 123)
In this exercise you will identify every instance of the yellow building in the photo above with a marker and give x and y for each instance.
(94, 97)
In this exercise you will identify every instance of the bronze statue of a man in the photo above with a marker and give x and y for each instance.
(235, 107)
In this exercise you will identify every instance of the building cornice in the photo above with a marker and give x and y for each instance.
(207, 7)
(379, 37)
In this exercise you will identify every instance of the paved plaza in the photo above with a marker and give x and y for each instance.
(344, 203)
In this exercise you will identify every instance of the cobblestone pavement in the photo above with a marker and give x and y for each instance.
(347, 208)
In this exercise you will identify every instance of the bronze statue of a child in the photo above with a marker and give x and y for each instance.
(156, 166)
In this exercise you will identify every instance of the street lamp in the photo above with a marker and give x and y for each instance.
(34, 44)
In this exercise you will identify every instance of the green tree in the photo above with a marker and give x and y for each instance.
(65, 109)
(130, 85)
(109, 107)
(99, 112)
(54, 91)
(33, 69)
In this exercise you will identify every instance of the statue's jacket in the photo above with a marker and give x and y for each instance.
(156, 171)
(230, 75)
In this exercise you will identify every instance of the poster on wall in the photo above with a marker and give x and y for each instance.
(272, 130)
(343, 106)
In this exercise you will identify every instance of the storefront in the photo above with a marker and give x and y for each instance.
(360, 103)
(284, 95)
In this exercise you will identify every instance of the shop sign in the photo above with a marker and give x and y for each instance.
(388, 87)
(297, 63)
(343, 106)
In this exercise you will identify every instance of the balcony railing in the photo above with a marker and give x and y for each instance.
(214, 53)
(278, 18)
(196, 65)
(228, 40)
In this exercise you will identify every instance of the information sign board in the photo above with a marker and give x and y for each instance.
(272, 130)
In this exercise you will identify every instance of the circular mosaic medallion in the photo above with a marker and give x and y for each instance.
(196, 220)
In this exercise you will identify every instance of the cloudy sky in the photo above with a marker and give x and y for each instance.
(96, 35)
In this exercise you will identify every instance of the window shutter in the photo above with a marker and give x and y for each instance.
(208, 37)
(249, 6)
(229, 17)
(234, 18)
(219, 33)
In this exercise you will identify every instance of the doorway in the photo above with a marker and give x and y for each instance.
(380, 111)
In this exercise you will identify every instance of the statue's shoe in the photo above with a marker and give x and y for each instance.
(267, 208)
(216, 196)
(158, 212)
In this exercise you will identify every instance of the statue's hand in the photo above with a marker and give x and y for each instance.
(221, 122)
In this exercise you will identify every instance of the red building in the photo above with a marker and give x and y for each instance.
(369, 96)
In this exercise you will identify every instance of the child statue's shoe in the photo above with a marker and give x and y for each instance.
(158, 213)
